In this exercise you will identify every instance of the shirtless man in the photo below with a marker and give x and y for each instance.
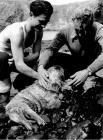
(18, 36)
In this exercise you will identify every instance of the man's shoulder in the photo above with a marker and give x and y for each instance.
(11, 31)
(97, 25)
(16, 26)
(16, 29)
(98, 29)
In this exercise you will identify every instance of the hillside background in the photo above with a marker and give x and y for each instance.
(18, 10)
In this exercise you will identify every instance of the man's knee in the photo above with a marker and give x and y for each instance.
(5, 86)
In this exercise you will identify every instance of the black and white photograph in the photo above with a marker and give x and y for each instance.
(51, 69)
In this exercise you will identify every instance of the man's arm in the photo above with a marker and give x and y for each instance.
(56, 44)
(44, 58)
(98, 62)
(17, 42)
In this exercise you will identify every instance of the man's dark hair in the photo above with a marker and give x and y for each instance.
(39, 7)
(84, 16)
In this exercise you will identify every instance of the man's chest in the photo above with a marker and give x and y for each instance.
(75, 46)
(30, 39)
(81, 46)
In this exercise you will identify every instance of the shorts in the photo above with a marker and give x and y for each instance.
(4, 66)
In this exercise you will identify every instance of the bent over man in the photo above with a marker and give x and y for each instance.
(18, 36)
(84, 38)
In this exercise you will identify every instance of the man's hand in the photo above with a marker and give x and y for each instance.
(43, 77)
(79, 77)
